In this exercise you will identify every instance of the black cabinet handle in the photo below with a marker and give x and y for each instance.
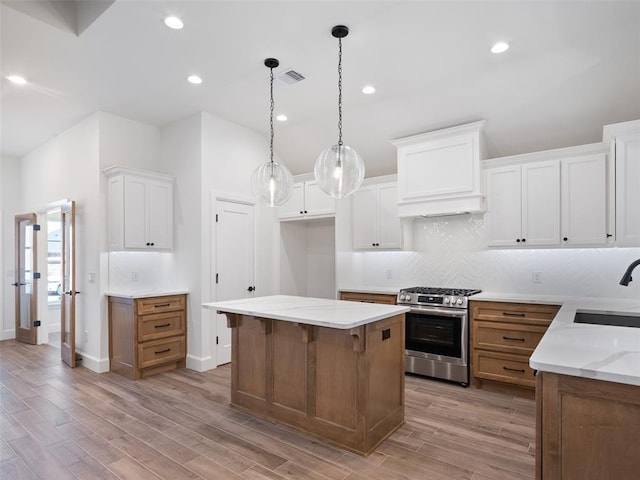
(519, 370)
(514, 339)
(251, 289)
(518, 240)
(163, 325)
(513, 314)
(158, 305)
(565, 239)
(70, 292)
(168, 350)
(609, 235)
(524, 240)
(306, 211)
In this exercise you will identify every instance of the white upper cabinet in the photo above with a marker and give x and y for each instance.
(140, 208)
(439, 172)
(376, 224)
(307, 201)
(558, 197)
(523, 205)
(625, 149)
(584, 200)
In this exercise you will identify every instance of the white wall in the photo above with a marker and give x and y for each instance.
(452, 252)
(9, 207)
(67, 166)
(230, 154)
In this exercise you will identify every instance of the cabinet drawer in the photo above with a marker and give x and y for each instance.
(160, 325)
(368, 297)
(513, 312)
(160, 304)
(162, 351)
(503, 367)
(505, 337)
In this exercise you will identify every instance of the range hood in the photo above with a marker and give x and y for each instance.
(439, 172)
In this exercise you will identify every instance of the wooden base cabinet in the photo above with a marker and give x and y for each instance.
(586, 429)
(344, 386)
(147, 335)
(503, 337)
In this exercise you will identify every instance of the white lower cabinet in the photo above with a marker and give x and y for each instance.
(376, 224)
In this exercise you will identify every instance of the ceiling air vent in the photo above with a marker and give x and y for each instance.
(290, 77)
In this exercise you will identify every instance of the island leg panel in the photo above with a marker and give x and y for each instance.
(343, 386)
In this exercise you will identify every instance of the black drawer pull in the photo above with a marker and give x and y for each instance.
(157, 305)
(168, 350)
(513, 314)
(509, 338)
(168, 325)
(519, 370)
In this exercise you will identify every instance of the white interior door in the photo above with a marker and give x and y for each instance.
(234, 273)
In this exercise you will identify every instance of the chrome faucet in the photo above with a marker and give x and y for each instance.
(626, 278)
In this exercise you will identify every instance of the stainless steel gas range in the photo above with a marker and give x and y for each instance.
(437, 332)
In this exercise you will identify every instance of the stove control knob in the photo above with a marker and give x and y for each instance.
(404, 297)
(447, 300)
(459, 302)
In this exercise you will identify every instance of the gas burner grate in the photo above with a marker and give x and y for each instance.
(460, 292)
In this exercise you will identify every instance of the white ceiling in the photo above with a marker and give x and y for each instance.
(572, 68)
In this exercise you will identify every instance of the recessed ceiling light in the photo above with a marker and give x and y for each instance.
(195, 79)
(173, 22)
(368, 89)
(500, 47)
(17, 79)
(281, 118)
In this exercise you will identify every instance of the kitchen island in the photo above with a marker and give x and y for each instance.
(332, 368)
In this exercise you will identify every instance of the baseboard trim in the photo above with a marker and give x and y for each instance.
(200, 364)
(98, 365)
(9, 334)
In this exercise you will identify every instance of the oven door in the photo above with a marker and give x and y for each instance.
(437, 333)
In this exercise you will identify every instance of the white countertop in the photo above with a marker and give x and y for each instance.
(311, 311)
(600, 352)
(379, 290)
(144, 294)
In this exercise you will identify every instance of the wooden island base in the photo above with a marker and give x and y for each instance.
(344, 386)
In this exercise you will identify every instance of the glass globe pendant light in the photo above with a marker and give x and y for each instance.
(339, 170)
(272, 182)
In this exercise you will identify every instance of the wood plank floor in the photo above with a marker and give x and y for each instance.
(58, 423)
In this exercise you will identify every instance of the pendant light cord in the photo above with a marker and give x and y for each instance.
(340, 91)
(271, 114)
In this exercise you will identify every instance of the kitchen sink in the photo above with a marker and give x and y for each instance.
(608, 318)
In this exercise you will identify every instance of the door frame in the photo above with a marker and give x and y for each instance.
(31, 337)
(209, 289)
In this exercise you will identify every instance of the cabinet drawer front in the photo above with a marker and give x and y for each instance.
(160, 325)
(513, 312)
(368, 297)
(158, 352)
(504, 337)
(502, 367)
(160, 304)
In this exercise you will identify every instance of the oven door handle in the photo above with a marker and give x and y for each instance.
(440, 311)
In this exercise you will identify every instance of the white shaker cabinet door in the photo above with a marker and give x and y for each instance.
(135, 213)
(504, 208)
(294, 207)
(627, 153)
(160, 215)
(389, 228)
(540, 204)
(584, 200)
(365, 222)
(316, 201)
